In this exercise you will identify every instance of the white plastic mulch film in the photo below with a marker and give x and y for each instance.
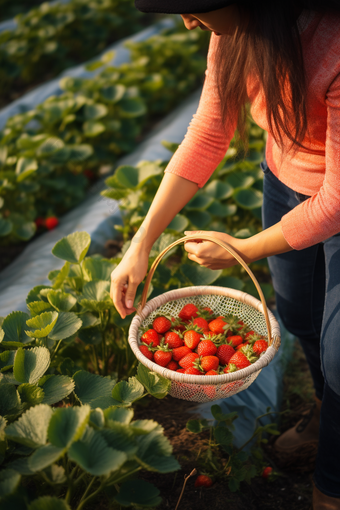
(221, 305)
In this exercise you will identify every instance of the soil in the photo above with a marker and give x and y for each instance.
(9, 253)
(290, 488)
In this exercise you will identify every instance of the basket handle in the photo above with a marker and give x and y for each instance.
(223, 245)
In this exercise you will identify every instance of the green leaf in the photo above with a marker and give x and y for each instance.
(50, 146)
(120, 437)
(9, 481)
(38, 307)
(113, 93)
(131, 108)
(95, 111)
(155, 384)
(94, 456)
(67, 425)
(31, 428)
(97, 420)
(127, 176)
(9, 399)
(199, 202)
(67, 324)
(127, 392)
(89, 320)
(154, 452)
(138, 492)
(198, 275)
(199, 219)
(42, 324)
(23, 230)
(14, 329)
(222, 210)
(172, 147)
(6, 360)
(240, 180)
(197, 426)
(233, 485)
(94, 390)
(219, 189)
(5, 227)
(96, 296)
(90, 336)
(92, 128)
(44, 457)
(248, 198)
(179, 223)
(81, 152)
(62, 275)
(35, 294)
(25, 167)
(230, 281)
(56, 387)
(120, 414)
(73, 248)
(31, 364)
(30, 394)
(97, 269)
(223, 436)
(61, 301)
(56, 474)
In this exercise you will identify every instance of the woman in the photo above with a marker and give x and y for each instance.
(284, 59)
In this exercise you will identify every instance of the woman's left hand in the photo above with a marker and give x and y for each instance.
(210, 255)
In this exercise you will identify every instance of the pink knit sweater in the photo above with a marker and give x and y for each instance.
(315, 172)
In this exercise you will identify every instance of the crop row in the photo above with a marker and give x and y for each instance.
(55, 36)
(49, 155)
(9, 9)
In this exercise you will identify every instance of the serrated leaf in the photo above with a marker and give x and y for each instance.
(127, 392)
(200, 202)
(155, 384)
(56, 474)
(9, 398)
(94, 456)
(89, 388)
(66, 325)
(45, 456)
(223, 436)
(196, 426)
(6, 360)
(48, 503)
(38, 307)
(50, 146)
(9, 481)
(97, 419)
(240, 180)
(61, 301)
(138, 492)
(25, 167)
(120, 437)
(154, 453)
(67, 425)
(89, 320)
(35, 294)
(120, 414)
(62, 275)
(56, 388)
(140, 427)
(97, 269)
(219, 415)
(30, 394)
(92, 128)
(31, 364)
(198, 275)
(42, 324)
(73, 248)
(14, 326)
(31, 428)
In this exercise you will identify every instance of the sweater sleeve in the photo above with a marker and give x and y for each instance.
(206, 142)
(318, 218)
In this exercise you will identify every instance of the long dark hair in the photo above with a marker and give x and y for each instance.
(267, 46)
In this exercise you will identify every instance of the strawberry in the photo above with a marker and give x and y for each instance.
(209, 363)
(239, 347)
(172, 365)
(150, 337)
(161, 324)
(201, 323)
(147, 353)
(206, 348)
(249, 353)
(40, 222)
(51, 222)
(203, 481)
(162, 357)
(266, 473)
(224, 353)
(188, 360)
(192, 338)
(251, 336)
(193, 371)
(235, 340)
(218, 326)
(173, 339)
(239, 360)
(180, 352)
(212, 372)
(188, 312)
(210, 391)
(177, 325)
(181, 370)
(260, 346)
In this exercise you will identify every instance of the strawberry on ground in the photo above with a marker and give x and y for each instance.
(161, 324)
(188, 312)
(51, 222)
(267, 472)
(203, 481)
(180, 352)
(147, 353)
(206, 348)
(151, 338)
(224, 353)
(192, 338)
(173, 339)
(259, 347)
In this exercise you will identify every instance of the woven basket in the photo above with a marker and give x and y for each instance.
(222, 301)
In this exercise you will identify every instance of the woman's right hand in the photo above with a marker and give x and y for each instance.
(125, 279)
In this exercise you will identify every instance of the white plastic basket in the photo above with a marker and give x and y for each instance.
(222, 301)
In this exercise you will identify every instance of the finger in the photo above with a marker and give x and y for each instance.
(191, 247)
(194, 258)
(117, 295)
(130, 294)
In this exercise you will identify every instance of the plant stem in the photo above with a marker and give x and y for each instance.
(186, 478)
(87, 489)
(85, 501)
(95, 358)
(55, 350)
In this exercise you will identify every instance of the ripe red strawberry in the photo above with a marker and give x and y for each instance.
(212, 372)
(235, 340)
(177, 325)
(181, 370)
(40, 222)
(180, 352)
(162, 358)
(188, 360)
(209, 363)
(266, 473)
(252, 337)
(224, 353)
(260, 346)
(206, 348)
(193, 371)
(239, 360)
(172, 365)
(239, 347)
(203, 481)
(51, 222)
(210, 391)
(201, 323)
(147, 353)
(151, 338)
(218, 326)
(161, 324)
(192, 338)
(188, 312)
(173, 339)
(209, 310)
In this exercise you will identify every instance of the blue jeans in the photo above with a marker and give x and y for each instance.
(307, 288)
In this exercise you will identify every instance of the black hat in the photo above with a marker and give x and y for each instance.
(180, 6)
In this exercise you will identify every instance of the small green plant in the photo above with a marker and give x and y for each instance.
(221, 460)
